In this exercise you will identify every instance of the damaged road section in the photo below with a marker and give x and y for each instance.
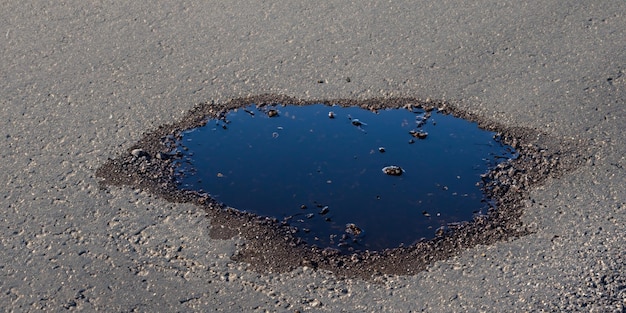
(270, 245)
(358, 181)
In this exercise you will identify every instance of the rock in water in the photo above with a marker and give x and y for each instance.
(418, 134)
(393, 170)
(272, 113)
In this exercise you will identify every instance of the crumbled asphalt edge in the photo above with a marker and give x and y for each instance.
(270, 246)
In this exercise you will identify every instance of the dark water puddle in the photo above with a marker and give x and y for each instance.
(308, 188)
(346, 178)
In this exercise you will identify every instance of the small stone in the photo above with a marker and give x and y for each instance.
(440, 232)
(272, 113)
(138, 153)
(356, 122)
(315, 303)
(162, 156)
(309, 263)
(393, 170)
(418, 134)
(352, 229)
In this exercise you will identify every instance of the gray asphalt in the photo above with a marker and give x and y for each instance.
(82, 81)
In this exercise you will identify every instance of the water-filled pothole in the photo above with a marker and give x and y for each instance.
(347, 178)
(272, 244)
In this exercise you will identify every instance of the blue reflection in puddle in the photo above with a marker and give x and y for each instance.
(320, 169)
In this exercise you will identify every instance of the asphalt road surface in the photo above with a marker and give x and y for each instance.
(83, 80)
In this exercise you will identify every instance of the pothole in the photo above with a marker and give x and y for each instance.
(344, 177)
(359, 188)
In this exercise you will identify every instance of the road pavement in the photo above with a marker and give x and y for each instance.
(83, 80)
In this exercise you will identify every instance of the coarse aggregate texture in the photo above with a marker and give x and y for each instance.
(83, 80)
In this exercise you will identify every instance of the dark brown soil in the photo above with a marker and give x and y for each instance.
(270, 246)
